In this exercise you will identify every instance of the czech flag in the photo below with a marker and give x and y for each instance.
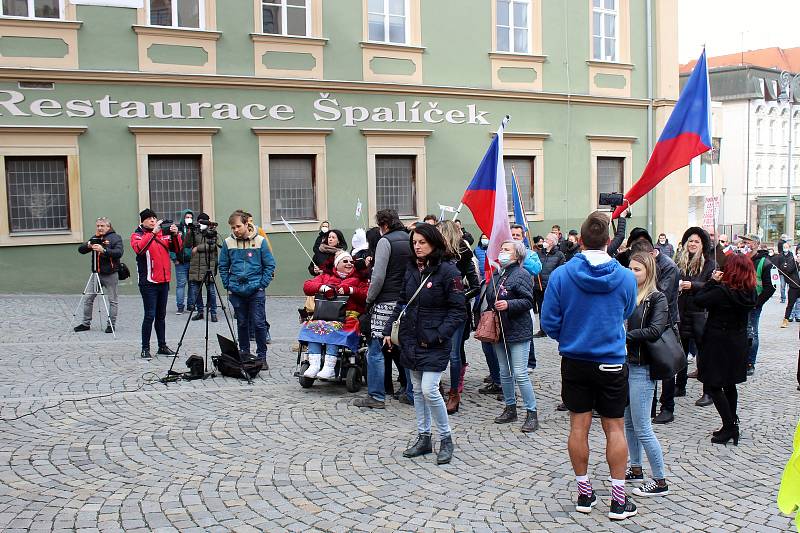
(519, 209)
(487, 198)
(686, 135)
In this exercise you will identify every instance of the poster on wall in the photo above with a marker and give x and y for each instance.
(710, 211)
(110, 3)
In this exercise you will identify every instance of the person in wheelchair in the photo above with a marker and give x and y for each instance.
(325, 336)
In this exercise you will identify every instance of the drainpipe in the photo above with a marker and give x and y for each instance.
(650, 195)
(747, 172)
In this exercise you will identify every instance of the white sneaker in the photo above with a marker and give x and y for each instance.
(313, 369)
(329, 370)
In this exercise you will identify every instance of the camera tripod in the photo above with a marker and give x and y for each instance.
(95, 288)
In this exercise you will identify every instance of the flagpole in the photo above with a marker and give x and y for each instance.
(458, 210)
(291, 230)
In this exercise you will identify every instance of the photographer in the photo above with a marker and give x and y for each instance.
(203, 240)
(153, 241)
(182, 257)
(106, 248)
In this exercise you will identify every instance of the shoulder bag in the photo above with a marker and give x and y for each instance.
(488, 329)
(395, 336)
(123, 271)
(330, 309)
(666, 355)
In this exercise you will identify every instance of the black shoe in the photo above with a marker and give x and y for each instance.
(561, 407)
(445, 454)
(621, 511)
(491, 388)
(531, 423)
(586, 503)
(488, 379)
(109, 329)
(264, 364)
(664, 417)
(370, 403)
(508, 415)
(164, 350)
(540, 334)
(652, 489)
(80, 327)
(146, 354)
(421, 447)
(680, 392)
(404, 399)
(630, 475)
(704, 401)
(725, 435)
(198, 316)
(214, 318)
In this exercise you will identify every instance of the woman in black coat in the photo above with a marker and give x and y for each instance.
(328, 243)
(729, 297)
(432, 304)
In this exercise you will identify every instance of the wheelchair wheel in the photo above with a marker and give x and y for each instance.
(353, 379)
(305, 382)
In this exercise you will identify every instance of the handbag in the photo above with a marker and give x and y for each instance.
(123, 271)
(395, 336)
(488, 329)
(330, 310)
(666, 355)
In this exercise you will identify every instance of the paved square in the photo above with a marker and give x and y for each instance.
(222, 455)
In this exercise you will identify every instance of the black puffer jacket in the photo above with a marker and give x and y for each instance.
(647, 323)
(515, 286)
(431, 319)
(551, 260)
(108, 260)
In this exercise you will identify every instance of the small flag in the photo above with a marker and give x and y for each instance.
(447, 208)
(519, 209)
(358, 209)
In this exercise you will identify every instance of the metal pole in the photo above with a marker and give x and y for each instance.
(651, 194)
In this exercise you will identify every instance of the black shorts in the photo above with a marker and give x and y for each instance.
(584, 386)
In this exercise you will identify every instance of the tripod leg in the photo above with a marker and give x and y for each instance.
(108, 312)
(83, 297)
(221, 302)
(178, 348)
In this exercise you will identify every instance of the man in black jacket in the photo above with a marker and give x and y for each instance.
(106, 250)
(764, 289)
(551, 258)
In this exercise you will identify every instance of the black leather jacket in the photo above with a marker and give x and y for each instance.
(647, 323)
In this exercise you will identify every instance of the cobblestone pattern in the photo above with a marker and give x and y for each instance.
(222, 455)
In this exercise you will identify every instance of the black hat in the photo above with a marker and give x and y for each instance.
(704, 238)
(203, 216)
(639, 233)
(147, 213)
(573, 232)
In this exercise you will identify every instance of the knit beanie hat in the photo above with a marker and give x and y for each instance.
(147, 213)
(339, 256)
(639, 233)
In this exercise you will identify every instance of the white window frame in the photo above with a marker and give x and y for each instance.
(604, 12)
(385, 15)
(512, 26)
(174, 9)
(284, 11)
(31, 12)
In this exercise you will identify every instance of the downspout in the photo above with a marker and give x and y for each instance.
(747, 172)
(651, 194)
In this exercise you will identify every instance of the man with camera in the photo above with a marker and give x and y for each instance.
(153, 241)
(182, 258)
(106, 249)
(203, 242)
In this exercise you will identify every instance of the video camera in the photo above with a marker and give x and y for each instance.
(611, 199)
(96, 240)
(165, 225)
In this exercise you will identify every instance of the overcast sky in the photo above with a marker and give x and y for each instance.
(724, 25)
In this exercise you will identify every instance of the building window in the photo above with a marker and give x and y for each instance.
(610, 177)
(395, 184)
(523, 168)
(604, 30)
(46, 9)
(771, 176)
(388, 21)
(38, 194)
(177, 13)
(286, 17)
(513, 26)
(771, 132)
(292, 189)
(174, 184)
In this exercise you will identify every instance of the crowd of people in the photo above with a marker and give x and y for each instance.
(416, 293)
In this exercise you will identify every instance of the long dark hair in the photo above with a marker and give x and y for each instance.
(434, 237)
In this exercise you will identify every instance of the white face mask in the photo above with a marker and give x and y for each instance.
(504, 258)
(188, 220)
(485, 242)
(203, 227)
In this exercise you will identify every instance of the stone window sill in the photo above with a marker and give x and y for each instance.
(169, 31)
(288, 39)
(390, 46)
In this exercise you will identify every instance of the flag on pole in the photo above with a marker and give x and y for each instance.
(686, 135)
(519, 209)
(358, 209)
(486, 196)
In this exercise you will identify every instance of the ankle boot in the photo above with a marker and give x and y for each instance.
(421, 447)
(329, 369)
(313, 368)
(445, 451)
(531, 423)
(508, 415)
(452, 402)
(461, 378)
(727, 433)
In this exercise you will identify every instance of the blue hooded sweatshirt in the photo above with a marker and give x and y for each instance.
(585, 308)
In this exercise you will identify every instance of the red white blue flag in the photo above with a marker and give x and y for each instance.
(686, 135)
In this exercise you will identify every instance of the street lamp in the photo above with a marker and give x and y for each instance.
(787, 95)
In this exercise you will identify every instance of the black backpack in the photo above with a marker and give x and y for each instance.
(243, 367)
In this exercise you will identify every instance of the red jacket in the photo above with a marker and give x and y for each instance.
(355, 286)
(153, 263)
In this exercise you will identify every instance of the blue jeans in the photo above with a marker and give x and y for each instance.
(181, 279)
(410, 386)
(491, 362)
(319, 348)
(195, 300)
(518, 354)
(375, 370)
(638, 429)
(154, 300)
(752, 334)
(455, 357)
(247, 307)
(428, 403)
(795, 314)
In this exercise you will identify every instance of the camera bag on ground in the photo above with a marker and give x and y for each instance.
(232, 364)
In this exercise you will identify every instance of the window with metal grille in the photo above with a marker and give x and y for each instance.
(48, 9)
(523, 170)
(609, 174)
(38, 194)
(395, 184)
(174, 184)
(292, 185)
(286, 17)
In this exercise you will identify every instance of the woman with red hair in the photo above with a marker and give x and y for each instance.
(728, 297)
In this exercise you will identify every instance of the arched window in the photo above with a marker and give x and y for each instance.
(760, 131)
(771, 132)
(771, 176)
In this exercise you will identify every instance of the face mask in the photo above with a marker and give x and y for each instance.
(504, 258)
(188, 220)
(485, 242)
(325, 228)
(203, 227)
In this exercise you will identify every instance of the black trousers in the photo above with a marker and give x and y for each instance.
(725, 400)
(389, 356)
(668, 386)
(794, 293)
(538, 299)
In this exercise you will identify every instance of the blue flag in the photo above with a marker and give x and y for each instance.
(519, 210)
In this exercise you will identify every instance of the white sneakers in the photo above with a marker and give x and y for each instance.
(313, 360)
(329, 370)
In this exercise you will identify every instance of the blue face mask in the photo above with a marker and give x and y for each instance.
(504, 258)
(485, 242)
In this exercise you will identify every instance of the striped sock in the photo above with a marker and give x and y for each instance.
(584, 485)
(618, 490)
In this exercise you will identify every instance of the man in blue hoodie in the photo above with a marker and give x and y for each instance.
(585, 307)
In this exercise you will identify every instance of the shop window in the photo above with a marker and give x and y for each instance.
(292, 190)
(286, 17)
(177, 13)
(605, 20)
(395, 184)
(38, 194)
(610, 177)
(175, 184)
(523, 169)
(388, 21)
(513, 26)
(45, 9)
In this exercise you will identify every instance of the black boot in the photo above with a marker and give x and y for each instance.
(508, 415)
(445, 454)
(421, 447)
(198, 316)
(726, 434)
(531, 423)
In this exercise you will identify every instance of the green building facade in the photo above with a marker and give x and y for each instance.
(302, 108)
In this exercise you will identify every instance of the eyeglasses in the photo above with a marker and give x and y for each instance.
(345, 261)
(722, 241)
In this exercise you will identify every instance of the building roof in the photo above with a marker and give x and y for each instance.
(773, 58)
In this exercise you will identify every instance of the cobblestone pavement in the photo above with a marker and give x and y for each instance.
(222, 455)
